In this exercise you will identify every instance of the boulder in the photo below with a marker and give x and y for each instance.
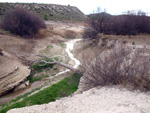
(22, 86)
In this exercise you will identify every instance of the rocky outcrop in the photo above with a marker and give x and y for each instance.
(12, 73)
(96, 100)
(47, 11)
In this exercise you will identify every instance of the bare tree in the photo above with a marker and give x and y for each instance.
(56, 62)
(44, 59)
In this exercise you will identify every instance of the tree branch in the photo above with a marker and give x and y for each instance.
(56, 62)
(24, 57)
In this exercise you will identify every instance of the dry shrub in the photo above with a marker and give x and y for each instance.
(22, 22)
(119, 66)
(70, 34)
(90, 34)
(43, 33)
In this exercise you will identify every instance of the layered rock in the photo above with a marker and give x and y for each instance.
(12, 73)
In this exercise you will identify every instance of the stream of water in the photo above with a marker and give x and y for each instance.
(69, 47)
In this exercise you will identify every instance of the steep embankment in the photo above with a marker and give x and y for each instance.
(12, 74)
(47, 11)
(104, 100)
(12, 71)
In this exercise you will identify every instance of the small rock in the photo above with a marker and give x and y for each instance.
(27, 83)
(21, 86)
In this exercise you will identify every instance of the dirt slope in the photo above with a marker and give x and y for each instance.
(96, 100)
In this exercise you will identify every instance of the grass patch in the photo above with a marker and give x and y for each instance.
(61, 89)
(61, 44)
(18, 98)
(37, 68)
(31, 79)
(47, 49)
(133, 43)
(40, 66)
(49, 46)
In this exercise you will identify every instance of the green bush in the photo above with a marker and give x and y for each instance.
(133, 43)
(45, 17)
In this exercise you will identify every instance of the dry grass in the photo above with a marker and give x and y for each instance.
(70, 34)
(43, 33)
(4, 32)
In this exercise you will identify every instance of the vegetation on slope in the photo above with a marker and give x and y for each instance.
(47, 11)
(126, 24)
(122, 65)
(61, 89)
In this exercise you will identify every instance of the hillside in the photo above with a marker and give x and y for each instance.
(47, 11)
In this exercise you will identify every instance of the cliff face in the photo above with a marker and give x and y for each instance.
(47, 11)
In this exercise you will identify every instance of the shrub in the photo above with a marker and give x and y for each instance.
(129, 24)
(124, 25)
(45, 16)
(99, 23)
(119, 66)
(70, 34)
(133, 43)
(22, 22)
(90, 34)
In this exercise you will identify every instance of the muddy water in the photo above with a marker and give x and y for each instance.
(10, 96)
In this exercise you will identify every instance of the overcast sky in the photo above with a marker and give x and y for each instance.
(88, 6)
